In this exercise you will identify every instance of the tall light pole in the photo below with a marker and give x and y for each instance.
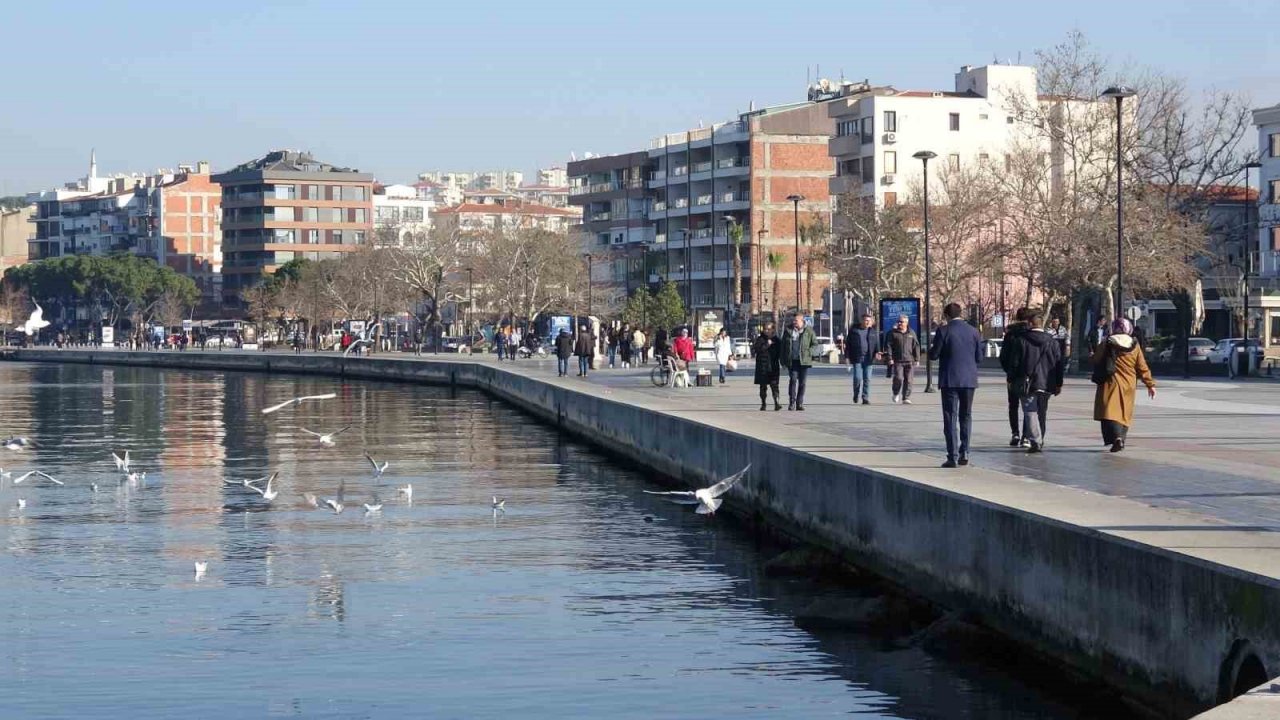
(924, 156)
(1246, 250)
(758, 257)
(471, 303)
(1119, 93)
(729, 301)
(795, 208)
(688, 277)
(588, 284)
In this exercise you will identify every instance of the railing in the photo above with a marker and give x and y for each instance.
(703, 199)
(660, 238)
(680, 170)
(659, 205)
(1269, 263)
(699, 134)
(705, 232)
(601, 216)
(680, 203)
(704, 166)
(731, 196)
(658, 175)
(732, 162)
(729, 128)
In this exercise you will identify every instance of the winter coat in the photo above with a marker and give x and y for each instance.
(1114, 399)
(957, 347)
(724, 350)
(861, 345)
(806, 341)
(683, 347)
(1040, 359)
(585, 345)
(766, 351)
(903, 346)
(564, 346)
(1011, 349)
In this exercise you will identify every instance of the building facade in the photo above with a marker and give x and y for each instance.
(612, 193)
(1265, 287)
(481, 217)
(287, 205)
(15, 233)
(398, 210)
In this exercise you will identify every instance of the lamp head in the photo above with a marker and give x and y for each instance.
(795, 198)
(925, 155)
(1252, 164)
(1119, 92)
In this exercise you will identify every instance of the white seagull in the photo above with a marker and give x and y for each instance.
(5, 473)
(36, 322)
(310, 499)
(298, 401)
(93, 487)
(374, 506)
(201, 566)
(335, 503)
(707, 499)
(122, 463)
(326, 439)
(268, 493)
(16, 442)
(135, 477)
(499, 504)
(406, 491)
(378, 468)
(21, 503)
(44, 475)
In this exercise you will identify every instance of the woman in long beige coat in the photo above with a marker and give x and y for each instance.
(1113, 403)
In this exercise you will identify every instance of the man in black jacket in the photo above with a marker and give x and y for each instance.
(1037, 375)
(904, 353)
(564, 351)
(1010, 353)
(862, 347)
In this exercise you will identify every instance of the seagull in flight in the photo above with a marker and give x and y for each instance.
(35, 322)
(326, 439)
(298, 401)
(374, 506)
(406, 491)
(5, 473)
(499, 504)
(707, 499)
(310, 499)
(122, 463)
(44, 475)
(378, 468)
(268, 493)
(335, 503)
(16, 442)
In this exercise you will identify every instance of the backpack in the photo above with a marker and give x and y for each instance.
(1103, 371)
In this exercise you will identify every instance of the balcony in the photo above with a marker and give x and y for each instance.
(680, 202)
(600, 216)
(1269, 264)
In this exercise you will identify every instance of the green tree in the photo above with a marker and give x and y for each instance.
(668, 308)
(639, 309)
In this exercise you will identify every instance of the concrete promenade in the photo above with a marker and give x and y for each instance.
(1156, 571)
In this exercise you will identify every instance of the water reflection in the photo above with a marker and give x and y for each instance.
(567, 604)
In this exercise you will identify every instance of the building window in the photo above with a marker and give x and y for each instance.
(890, 121)
(868, 169)
(414, 215)
(1275, 192)
(890, 199)
(850, 168)
(335, 237)
(359, 237)
(353, 193)
(955, 122)
(285, 214)
(336, 215)
(313, 192)
(311, 214)
(285, 192)
(890, 162)
(847, 127)
(953, 162)
(1008, 119)
(983, 158)
(982, 116)
(360, 216)
(313, 237)
(868, 129)
(283, 236)
(1275, 144)
(1275, 239)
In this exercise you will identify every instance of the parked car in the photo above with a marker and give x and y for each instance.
(1226, 348)
(823, 346)
(1198, 350)
(993, 346)
(741, 348)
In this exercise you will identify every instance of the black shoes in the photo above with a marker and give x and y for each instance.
(949, 464)
(866, 401)
(1117, 446)
(1035, 448)
(791, 406)
(1015, 441)
(964, 460)
(777, 406)
(762, 406)
(800, 408)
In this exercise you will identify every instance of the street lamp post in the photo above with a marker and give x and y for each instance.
(1247, 253)
(924, 156)
(1119, 93)
(589, 268)
(795, 209)
(758, 256)
(729, 300)
(688, 277)
(471, 304)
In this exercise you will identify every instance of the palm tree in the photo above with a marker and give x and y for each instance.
(735, 236)
(774, 260)
(811, 234)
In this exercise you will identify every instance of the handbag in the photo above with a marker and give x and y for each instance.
(732, 365)
(1103, 371)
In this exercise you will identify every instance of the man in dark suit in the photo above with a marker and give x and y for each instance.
(957, 347)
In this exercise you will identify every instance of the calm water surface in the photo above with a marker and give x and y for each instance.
(568, 605)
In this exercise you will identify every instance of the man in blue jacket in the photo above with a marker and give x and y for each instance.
(862, 347)
(957, 347)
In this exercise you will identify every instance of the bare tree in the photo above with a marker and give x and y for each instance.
(423, 263)
(872, 252)
(527, 271)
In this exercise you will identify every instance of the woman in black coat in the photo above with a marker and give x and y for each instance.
(767, 350)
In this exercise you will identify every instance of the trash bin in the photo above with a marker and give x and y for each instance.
(1241, 360)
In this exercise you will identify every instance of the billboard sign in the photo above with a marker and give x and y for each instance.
(892, 308)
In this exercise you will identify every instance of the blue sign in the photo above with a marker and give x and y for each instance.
(893, 308)
(561, 322)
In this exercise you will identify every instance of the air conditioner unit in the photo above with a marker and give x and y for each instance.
(891, 137)
(889, 179)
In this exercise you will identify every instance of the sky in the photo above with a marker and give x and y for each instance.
(397, 88)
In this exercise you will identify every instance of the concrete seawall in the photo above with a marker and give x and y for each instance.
(1140, 598)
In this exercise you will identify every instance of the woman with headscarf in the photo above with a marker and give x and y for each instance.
(1118, 364)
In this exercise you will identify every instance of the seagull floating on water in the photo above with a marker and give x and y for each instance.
(42, 474)
(268, 493)
(122, 463)
(707, 499)
(406, 491)
(499, 504)
(326, 439)
(335, 503)
(378, 468)
(298, 401)
(16, 442)
(373, 506)
(310, 499)
(201, 566)
(135, 477)
(35, 322)
(93, 487)
(21, 503)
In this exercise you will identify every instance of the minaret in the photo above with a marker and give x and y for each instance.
(93, 164)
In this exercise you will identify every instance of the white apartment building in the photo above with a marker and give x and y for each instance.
(879, 129)
(401, 208)
(1264, 287)
(553, 177)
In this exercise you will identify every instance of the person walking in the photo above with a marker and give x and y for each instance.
(513, 343)
(1118, 364)
(611, 346)
(724, 351)
(500, 342)
(862, 348)
(564, 350)
(1037, 375)
(1010, 353)
(796, 355)
(904, 354)
(638, 348)
(767, 349)
(584, 347)
(1060, 333)
(624, 346)
(957, 347)
(1097, 335)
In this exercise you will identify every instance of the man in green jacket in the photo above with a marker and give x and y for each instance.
(797, 357)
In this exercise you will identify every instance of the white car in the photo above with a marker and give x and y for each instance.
(742, 347)
(1199, 350)
(823, 346)
(1226, 347)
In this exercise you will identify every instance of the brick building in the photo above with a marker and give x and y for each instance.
(284, 206)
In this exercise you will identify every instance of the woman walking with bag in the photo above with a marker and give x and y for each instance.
(724, 352)
(1118, 364)
(767, 350)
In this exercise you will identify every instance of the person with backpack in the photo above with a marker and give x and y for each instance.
(1037, 375)
(1118, 364)
(1010, 354)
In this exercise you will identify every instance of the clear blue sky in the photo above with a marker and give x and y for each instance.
(395, 88)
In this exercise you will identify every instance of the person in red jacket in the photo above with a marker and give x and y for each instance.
(683, 346)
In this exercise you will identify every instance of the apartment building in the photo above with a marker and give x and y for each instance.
(1266, 287)
(612, 193)
(172, 216)
(481, 217)
(398, 210)
(288, 205)
(15, 233)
